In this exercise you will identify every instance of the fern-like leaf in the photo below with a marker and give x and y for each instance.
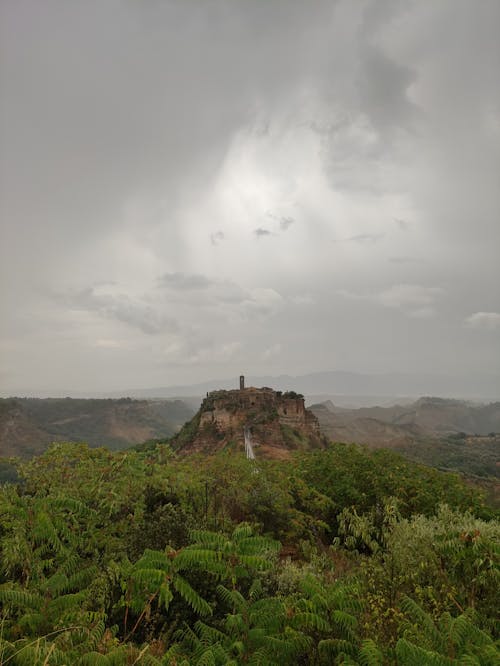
(330, 648)
(413, 655)
(369, 654)
(208, 635)
(19, 598)
(232, 598)
(419, 616)
(469, 660)
(207, 658)
(190, 595)
(310, 621)
(243, 531)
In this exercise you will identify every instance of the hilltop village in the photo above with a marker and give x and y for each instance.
(275, 422)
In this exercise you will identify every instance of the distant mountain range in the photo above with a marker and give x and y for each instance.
(427, 417)
(386, 386)
(346, 388)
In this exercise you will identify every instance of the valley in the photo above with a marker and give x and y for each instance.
(29, 425)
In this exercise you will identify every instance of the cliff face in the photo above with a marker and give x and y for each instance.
(277, 422)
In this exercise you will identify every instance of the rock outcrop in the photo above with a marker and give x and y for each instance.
(278, 423)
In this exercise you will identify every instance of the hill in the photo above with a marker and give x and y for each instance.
(270, 422)
(449, 434)
(28, 425)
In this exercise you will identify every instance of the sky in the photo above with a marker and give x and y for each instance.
(191, 190)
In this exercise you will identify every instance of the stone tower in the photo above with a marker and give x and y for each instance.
(242, 382)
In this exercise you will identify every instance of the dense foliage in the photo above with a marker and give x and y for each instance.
(339, 556)
(473, 455)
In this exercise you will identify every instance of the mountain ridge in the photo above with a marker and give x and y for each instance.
(352, 383)
(478, 387)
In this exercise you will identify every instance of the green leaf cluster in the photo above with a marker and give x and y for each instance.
(341, 556)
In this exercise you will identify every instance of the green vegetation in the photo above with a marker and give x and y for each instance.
(292, 395)
(446, 434)
(29, 425)
(293, 438)
(472, 455)
(338, 556)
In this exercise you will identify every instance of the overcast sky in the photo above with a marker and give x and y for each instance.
(196, 189)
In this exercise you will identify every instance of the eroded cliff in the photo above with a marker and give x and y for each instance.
(278, 423)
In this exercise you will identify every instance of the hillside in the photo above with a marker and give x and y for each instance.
(273, 422)
(28, 425)
(103, 552)
(449, 434)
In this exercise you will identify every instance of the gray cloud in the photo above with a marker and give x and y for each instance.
(363, 239)
(412, 299)
(415, 299)
(121, 307)
(147, 139)
(489, 321)
(402, 224)
(286, 223)
(406, 260)
(281, 222)
(217, 237)
(260, 232)
(184, 282)
(384, 88)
